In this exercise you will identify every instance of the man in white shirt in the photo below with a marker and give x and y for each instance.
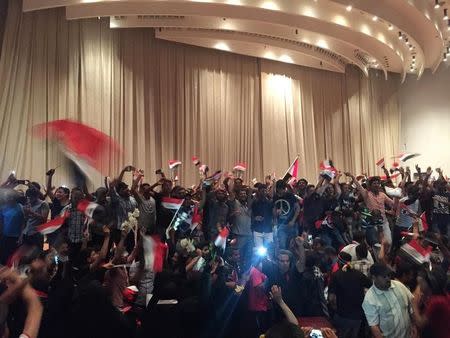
(387, 305)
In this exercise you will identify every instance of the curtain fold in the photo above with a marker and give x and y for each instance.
(162, 101)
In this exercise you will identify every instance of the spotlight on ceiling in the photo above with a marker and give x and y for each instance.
(400, 36)
(437, 4)
(410, 47)
(391, 27)
(375, 18)
(445, 14)
(349, 8)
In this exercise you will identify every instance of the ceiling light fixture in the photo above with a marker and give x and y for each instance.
(400, 36)
(391, 27)
(406, 40)
(445, 57)
(349, 8)
(375, 18)
(445, 14)
(410, 47)
(436, 4)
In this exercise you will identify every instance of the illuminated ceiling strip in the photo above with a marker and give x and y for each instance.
(338, 47)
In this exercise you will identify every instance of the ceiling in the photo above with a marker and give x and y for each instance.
(401, 36)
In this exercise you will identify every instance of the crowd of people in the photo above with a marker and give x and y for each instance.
(344, 257)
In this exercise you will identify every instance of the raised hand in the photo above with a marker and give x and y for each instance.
(275, 294)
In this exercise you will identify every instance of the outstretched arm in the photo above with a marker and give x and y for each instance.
(275, 294)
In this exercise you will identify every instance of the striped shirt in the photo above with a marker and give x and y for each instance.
(390, 309)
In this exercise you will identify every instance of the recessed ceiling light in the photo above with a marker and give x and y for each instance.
(375, 18)
(349, 8)
(222, 46)
(436, 4)
(391, 27)
(410, 47)
(400, 36)
(445, 14)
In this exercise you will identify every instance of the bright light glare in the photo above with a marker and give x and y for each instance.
(261, 251)
(222, 46)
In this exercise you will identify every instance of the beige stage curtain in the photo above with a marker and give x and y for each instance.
(163, 101)
(351, 119)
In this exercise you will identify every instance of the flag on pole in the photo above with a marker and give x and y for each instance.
(171, 203)
(174, 163)
(88, 148)
(292, 171)
(155, 253)
(380, 162)
(221, 240)
(54, 224)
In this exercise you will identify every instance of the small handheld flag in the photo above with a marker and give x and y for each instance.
(240, 167)
(380, 163)
(174, 164)
(221, 240)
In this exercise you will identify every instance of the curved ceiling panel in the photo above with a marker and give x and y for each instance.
(399, 36)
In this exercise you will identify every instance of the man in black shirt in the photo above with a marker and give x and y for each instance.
(286, 210)
(346, 294)
(262, 217)
(286, 275)
(215, 204)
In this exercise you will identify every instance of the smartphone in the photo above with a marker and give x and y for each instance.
(316, 334)
(310, 239)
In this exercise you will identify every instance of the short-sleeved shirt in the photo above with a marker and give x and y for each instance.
(242, 220)
(12, 219)
(147, 213)
(285, 205)
(33, 222)
(348, 286)
(262, 208)
(377, 202)
(389, 309)
(257, 298)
